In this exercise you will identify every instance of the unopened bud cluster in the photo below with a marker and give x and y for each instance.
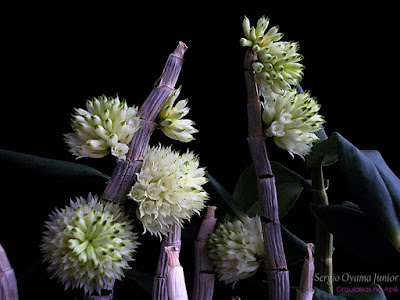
(171, 122)
(88, 245)
(106, 126)
(236, 249)
(168, 189)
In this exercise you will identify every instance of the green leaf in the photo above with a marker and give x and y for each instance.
(371, 292)
(216, 189)
(324, 152)
(144, 280)
(52, 168)
(255, 209)
(352, 230)
(289, 186)
(374, 189)
(285, 175)
(246, 191)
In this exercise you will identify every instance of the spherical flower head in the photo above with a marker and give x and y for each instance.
(88, 244)
(292, 119)
(106, 126)
(168, 189)
(277, 67)
(236, 249)
(171, 122)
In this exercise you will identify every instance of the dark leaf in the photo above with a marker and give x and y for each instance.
(246, 191)
(51, 168)
(214, 187)
(144, 280)
(295, 248)
(289, 186)
(286, 175)
(321, 134)
(391, 180)
(351, 229)
(323, 153)
(374, 189)
(322, 295)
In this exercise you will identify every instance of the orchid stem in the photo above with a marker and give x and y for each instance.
(323, 239)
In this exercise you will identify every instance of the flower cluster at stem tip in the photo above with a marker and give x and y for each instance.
(168, 189)
(106, 126)
(236, 248)
(88, 244)
(171, 122)
(291, 118)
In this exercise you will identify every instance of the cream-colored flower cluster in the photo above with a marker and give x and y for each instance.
(277, 67)
(236, 249)
(292, 119)
(88, 245)
(168, 189)
(106, 126)
(171, 122)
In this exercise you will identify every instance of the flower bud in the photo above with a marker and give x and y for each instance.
(246, 27)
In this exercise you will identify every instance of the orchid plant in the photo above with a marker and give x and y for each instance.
(92, 241)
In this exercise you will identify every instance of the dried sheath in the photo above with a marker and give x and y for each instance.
(160, 290)
(175, 280)
(203, 287)
(305, 290)
(8, 282)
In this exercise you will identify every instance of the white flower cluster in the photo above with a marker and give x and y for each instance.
(171, 122)
(236, 249)
(88, 244)
(277, 66)
(107, 125)
(292, 119)
(168, 189)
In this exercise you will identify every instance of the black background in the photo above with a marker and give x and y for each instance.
(55, 57)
